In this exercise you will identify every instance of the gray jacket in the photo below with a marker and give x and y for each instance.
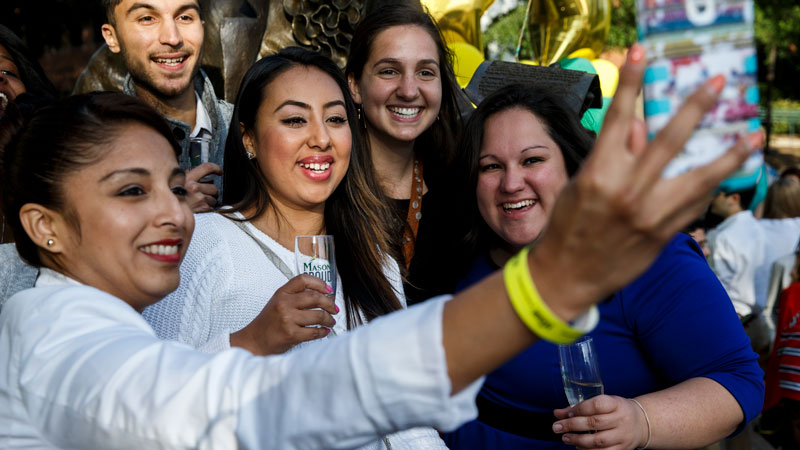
(218, 110)
(15, 274)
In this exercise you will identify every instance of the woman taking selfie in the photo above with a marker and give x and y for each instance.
(401, 77)
(670, 340)
(99, 206)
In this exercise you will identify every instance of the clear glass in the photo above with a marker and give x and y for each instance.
(315, 256)
(580, 371)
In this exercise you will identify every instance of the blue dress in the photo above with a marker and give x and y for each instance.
(673, 323)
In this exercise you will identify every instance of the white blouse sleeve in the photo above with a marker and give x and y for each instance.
(91, 374)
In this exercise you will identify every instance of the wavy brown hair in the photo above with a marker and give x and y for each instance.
(356, 214)
(436, 146)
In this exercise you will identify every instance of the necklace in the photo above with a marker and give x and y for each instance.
(414, 214)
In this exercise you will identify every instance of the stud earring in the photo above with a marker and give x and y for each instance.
(50, 242)
(250, 155)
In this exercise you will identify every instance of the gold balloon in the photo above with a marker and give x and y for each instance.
(466, 59)
(459, 20)
(559, 27)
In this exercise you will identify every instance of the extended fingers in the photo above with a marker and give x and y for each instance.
(680, 200)
(618, 118)
(711, 175)
(671, 139)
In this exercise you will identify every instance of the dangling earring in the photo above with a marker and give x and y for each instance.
(250, 155)
(364, 121)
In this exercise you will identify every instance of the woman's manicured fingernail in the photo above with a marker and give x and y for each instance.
(636, 53)
(330, 289)
(327, 331)
(337, 309)
(716, 84)
(557, 427)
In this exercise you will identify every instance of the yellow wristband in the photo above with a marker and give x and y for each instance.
(532, 310)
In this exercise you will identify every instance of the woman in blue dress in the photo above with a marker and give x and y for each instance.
(670, 339)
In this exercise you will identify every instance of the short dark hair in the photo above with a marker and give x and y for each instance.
(559, 121)
(57, 140)
(357, 212)
(745, 196)
(108, 6)
(435, 147)
(31, 73)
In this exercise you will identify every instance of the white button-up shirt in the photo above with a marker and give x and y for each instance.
(737, 249)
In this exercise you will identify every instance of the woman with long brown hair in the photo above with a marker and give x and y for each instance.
(295, 166)
(401, 75)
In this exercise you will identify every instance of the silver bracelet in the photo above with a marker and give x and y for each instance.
(647, 419)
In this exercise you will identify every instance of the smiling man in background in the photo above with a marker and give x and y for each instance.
(161, 42)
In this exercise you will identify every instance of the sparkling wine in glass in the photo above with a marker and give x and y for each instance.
(580, 371)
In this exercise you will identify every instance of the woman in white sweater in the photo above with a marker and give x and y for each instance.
(295, 165)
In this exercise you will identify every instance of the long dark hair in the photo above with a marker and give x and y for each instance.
(31, 73)
(57, 140)
(357, 212)
(435, 147)
(560, 123)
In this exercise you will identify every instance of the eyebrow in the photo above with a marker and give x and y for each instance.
(181, 9)
(532, 147)
(395, 61)
(136, 6)
(307, 106)
(140, 171)
(9, 58)
(133, 170)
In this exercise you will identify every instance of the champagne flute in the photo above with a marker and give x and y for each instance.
(580, 371)
(314, 255)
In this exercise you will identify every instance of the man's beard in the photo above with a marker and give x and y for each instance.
(144, 80)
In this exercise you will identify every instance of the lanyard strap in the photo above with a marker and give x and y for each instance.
(414, 214)
(275, 259)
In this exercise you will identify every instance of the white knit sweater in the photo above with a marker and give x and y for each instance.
(226, 280)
